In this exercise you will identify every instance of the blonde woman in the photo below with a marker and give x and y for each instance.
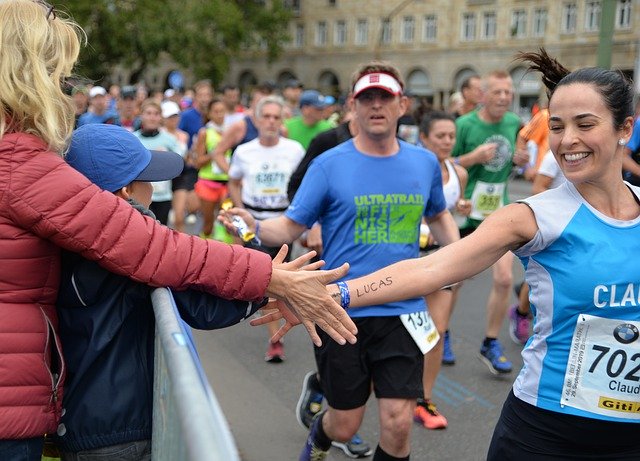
(45, 205)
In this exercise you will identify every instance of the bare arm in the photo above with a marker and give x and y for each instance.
(230, 138)
(235, 192)
(444, 228)
(481, 154)
(273, 232)
(200, 149)
(463, 206)
(541, 183)
(506, 229)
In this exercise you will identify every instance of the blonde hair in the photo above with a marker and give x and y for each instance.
(38, 53)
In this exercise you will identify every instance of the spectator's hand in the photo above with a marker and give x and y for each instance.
(306, 297)
(484, 153)
(463, 207)
(314, 239)
(276, 309)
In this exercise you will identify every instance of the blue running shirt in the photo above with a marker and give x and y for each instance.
(370, 209)
(584, 274)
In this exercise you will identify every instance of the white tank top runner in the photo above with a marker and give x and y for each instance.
(452, 188)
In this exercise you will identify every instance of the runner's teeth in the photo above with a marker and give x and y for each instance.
(575, 157)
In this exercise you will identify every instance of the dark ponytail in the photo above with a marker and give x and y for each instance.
(552, 71)
(612, 85)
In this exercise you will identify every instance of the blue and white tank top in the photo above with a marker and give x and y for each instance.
(583, 271)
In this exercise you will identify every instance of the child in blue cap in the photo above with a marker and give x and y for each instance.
(106, 320)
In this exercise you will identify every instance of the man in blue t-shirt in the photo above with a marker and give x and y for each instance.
(369, 194)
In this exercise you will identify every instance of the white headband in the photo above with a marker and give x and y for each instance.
(377, 80)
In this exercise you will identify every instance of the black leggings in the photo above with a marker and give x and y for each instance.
(528, 433)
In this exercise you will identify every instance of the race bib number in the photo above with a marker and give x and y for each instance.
(485, 199)
(603, 370)
(422, 329)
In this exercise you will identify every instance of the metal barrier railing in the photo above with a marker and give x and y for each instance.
(188, 423)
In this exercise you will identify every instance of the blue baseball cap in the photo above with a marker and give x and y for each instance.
(112, 157)
(313, 98)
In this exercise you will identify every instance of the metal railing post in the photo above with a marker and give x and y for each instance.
(188, 423)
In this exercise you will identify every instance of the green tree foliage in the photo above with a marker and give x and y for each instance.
(201, 35)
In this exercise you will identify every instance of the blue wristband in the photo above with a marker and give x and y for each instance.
(256, 238)
(345, 296)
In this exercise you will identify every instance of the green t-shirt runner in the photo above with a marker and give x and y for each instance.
(487, 184)
(304, 134)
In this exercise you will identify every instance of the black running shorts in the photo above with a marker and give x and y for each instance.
(385, 356)
(528, 433)
(186, 180)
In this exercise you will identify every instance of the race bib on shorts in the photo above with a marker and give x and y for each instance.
(603, 370)
(422, 330)
(486, 198)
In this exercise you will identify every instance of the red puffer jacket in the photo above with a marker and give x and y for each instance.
(46, 205)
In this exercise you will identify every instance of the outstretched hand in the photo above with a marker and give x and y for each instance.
(306, 299)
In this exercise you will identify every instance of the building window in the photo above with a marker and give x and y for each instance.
(489, 25)
(340, 33)
(408, 29)
(539, 22)
(299, 36)
(362, 32)
(468, 29)
(321, 33)
(623, 14)
(519, 23)
(294, 6)
(569, 17)
(385, 37)
(430, 28)
(592, 16)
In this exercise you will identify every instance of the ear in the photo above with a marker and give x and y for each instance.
(627, 128)
(404, 104)
(123, 193)
(351, 102)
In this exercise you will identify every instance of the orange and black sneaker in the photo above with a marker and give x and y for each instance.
(427, 414)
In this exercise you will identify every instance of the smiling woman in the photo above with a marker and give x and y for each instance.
(575, 243)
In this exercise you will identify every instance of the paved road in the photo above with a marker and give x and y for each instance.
(259, 398)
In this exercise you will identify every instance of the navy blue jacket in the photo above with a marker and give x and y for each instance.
(107, 330)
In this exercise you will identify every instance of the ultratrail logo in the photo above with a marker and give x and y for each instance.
(626, 406)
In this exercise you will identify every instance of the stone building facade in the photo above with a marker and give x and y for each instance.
(437, 43)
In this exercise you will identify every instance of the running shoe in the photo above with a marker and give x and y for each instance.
(519, 326)
(310, 401)
(448, 357)
(354, 448)
(275, 353)
(493, 356)
(311, 452)
(427, 414)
